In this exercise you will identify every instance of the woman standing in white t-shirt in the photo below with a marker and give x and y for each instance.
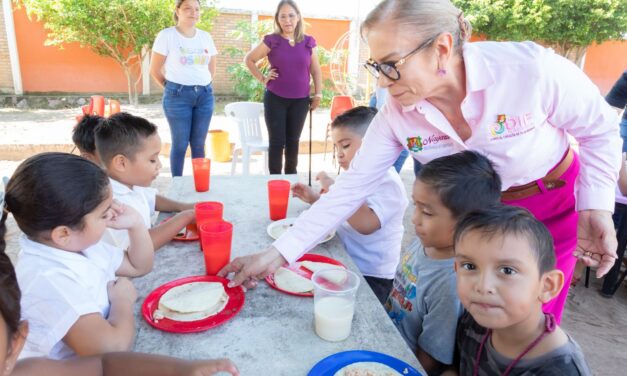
(188, 57)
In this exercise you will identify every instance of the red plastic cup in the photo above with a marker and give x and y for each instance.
(278, 197)
(215, 238)
(208, 211)
(202, 169)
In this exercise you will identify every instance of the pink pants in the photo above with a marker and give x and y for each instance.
(556, 209)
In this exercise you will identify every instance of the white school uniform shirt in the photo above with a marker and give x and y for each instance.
(377, 254)
(522, 101)
(142, 199)
(58, 287)
(187, 59)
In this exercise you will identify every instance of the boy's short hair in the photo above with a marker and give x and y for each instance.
(124, 134)
(464, 181)
(511, 220)
(357, 119)
(83, 135)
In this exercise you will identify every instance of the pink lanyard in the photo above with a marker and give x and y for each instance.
(549, 326)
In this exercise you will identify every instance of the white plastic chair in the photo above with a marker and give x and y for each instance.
(246, 116)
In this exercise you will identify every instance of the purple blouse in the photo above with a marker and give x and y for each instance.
(292, 65)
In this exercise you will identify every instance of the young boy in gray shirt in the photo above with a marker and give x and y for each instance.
(423, 303)
(505, 263)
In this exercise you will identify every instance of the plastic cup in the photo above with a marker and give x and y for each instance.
(278, 197)
(208, 211)
(202, 169)
(334, 303)
(215, 238)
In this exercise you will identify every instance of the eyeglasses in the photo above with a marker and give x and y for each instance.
(390, 69)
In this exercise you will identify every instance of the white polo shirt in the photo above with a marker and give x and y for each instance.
(58, 287)
(522, 102)
(377, 254)
(142, 199)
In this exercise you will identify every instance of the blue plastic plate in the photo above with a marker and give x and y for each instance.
(333, 363)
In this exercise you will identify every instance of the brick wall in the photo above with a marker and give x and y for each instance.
(225, 23)
(6, 79)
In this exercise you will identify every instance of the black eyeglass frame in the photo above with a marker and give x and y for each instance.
(375, 68)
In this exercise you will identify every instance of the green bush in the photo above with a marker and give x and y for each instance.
(244, 84)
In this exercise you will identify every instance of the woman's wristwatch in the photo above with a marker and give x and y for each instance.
(318, 95)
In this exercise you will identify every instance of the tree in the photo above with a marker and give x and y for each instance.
(123, 30)
(569, 26)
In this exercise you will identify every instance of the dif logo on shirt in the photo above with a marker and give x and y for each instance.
(511, 126)
(193, 56)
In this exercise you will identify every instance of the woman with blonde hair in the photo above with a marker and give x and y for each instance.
(517, 103)
(293, 60)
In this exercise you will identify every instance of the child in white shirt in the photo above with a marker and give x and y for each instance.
(372, 236)
(71, 298)
(14, 331)
(129, 148)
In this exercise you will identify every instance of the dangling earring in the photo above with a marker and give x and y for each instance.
(441, 72)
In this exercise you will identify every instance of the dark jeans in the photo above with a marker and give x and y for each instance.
(400, 161)
(623, 133)
(188, 110)
(285, 118)
(380, 286)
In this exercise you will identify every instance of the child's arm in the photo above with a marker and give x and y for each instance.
(91, 334)
(164, 204)
(304, 193)
(365, 221)
(622, 176)
(163, 233)
(139, 258)
(125, 363)
(429, 363)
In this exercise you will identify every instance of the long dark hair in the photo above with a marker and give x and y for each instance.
(54, 189)
(10, 292)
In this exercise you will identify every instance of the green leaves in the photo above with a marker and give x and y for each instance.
(121, 29)
(573, 23)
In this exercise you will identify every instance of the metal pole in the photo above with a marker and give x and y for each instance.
(310, 127)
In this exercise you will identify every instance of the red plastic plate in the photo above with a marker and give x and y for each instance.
(303, 272)
(232, 308)
(191, 232)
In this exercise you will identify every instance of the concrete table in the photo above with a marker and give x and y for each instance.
(273, 334)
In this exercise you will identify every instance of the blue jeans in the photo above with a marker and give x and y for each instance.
(188, 110)
(623, 133)
(400, 161)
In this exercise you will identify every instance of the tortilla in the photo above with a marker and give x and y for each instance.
(367, 369)
(191, 316)
(192, 297)
(192, 301)
(288, 280)
(336, 278)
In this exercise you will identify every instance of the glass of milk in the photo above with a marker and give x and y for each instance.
(334, 302)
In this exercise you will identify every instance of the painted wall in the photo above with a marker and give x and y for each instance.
(605, 63)
(71, 69)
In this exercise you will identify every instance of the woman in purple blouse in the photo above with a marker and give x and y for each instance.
(286, 101)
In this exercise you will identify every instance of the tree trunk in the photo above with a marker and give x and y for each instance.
(576, 54)
(131, 85)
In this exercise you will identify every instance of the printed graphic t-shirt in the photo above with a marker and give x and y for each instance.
(187, 59)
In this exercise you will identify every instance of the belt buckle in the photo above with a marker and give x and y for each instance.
(553, 184)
